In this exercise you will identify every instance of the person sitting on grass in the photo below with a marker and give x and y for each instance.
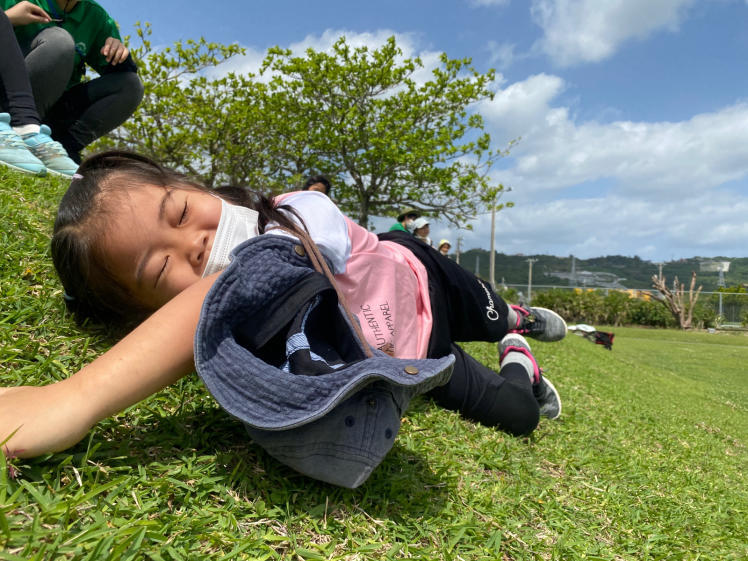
(135, 243)
(57, 47)
(25, 144)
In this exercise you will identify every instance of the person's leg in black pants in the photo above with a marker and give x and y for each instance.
(92, 109)
(15, 88)
(504, 400)
(18, 114)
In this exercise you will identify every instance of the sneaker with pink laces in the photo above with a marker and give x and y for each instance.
(515, 348)
(539, 323)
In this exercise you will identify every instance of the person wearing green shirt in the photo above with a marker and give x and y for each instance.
(405, 221)
(58, 44)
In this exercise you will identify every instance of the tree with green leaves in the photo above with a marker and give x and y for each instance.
(361, 117)
(358, 115)
(205, 126)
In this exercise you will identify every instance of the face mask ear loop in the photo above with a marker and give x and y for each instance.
(320, 265)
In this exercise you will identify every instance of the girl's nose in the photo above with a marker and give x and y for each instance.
(196, 251)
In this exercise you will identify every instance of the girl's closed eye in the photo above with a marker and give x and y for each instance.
(183, 215)
(161, 271)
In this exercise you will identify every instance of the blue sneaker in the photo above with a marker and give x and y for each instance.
(50, 152)
(13, 151)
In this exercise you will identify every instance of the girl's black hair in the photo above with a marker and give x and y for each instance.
(91, 290)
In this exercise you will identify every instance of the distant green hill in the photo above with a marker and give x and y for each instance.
(634, 272)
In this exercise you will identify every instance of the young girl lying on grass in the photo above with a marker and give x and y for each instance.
(137, 244)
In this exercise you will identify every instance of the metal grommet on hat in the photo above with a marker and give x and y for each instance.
(299, 250)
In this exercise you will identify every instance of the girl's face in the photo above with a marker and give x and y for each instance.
(157, 240)
(423, 231)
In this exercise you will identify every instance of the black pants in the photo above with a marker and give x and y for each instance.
(86, 111)
(464, 308)
(15, 88)
(91, 109)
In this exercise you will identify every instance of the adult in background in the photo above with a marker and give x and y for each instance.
(318, 183)
(405, 221)
(421, 230)
(444, 247)
(25, 144)
(57, 47)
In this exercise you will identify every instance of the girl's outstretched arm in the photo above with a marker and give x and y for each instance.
(155, 354)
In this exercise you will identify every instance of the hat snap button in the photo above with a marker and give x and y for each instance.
(411, 370)
(372, 403)
(299, 250)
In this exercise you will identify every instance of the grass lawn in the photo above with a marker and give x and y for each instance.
(647, 462)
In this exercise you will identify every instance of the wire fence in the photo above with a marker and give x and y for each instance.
(731, 308)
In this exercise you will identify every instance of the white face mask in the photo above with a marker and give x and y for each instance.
(237, 225)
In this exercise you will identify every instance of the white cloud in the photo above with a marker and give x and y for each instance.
(656, 189)
(503, 55)
(701, 223)
(578, 31)
(522, 107)
(662, 158)
(408, 44)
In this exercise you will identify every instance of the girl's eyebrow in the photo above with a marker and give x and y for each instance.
(144, 258)
(164, 201)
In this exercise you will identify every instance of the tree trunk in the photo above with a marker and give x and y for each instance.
(363, 211)
(674, 299)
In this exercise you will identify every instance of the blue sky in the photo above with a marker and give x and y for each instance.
(633, 114)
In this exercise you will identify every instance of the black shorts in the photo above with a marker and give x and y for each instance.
(465, 308)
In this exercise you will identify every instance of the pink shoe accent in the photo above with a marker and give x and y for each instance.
(528, 354)
(520, 312)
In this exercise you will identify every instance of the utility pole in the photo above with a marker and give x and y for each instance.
(529, 280)
(457, 253)
(721, 284)
(492, 257)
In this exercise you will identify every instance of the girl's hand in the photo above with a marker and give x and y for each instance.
(114, 51)
(157, 353)
(41, 419)
(25, 13)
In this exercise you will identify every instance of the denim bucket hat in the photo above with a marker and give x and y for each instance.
(275, 349)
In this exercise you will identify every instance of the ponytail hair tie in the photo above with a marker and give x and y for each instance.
(77, 176)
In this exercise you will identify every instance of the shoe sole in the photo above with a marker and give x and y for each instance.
(558, 398)
(41, 173)
(59, 173)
